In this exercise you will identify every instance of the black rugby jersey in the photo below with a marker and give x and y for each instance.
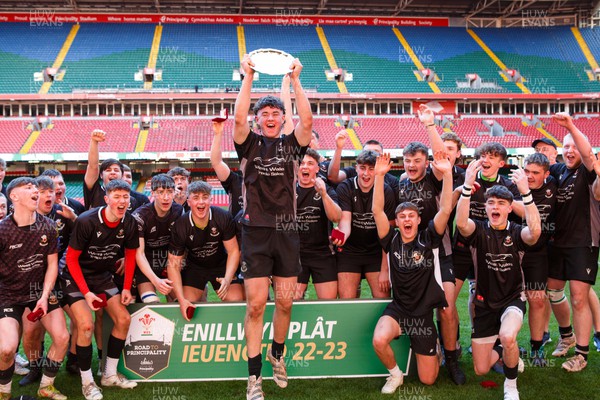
(233, 187)
(363, 238)
(24, 255)
(270, 169)
(95, 197)
(65, 228)
(477, 205)
(415, 271)
(390, 179)
(204, 246)
(313, 226)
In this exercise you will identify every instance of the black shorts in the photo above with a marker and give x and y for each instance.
(359, 264)
(447, 268)
(161, 272)
(573, 263)
(421, 330)
(321, 266)
(98, 283)
(18, 311)
(269, 252)
(462, 260)
(198, 277)
(487, 322)
(535, 269)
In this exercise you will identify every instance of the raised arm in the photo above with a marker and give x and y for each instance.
(427, 117)
(303, 130)
(333, 172)
(93, 170)
(442, 164)
(582, 143)
(332, 209)
(216, 158)
(242, 103)
(286, 97)
(464, 224)
(531, 233)
(382, 167)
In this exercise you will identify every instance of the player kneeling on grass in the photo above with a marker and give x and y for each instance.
(155, 221)
(207, 234)
(500, 289)
(415, 276)
(100, 237)
(28, 271)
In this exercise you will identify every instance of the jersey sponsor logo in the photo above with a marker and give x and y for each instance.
(104, 252)
(309, 210)
(508, 241)
(274, 166)
(499, 262)
(30, 263)
(566, 193)
(214, 232)
(7, 310)
(121, 234)
(44, 241)
(363, 220)
(153, 229)
(15, 246)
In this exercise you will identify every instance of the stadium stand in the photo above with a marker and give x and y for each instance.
(106, 56)
(15, 129)
(26, 49)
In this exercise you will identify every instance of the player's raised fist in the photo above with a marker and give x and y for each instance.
(98, 135)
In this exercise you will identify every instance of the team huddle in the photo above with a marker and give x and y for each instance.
(415, 239)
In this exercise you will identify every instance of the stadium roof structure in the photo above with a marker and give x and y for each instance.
(453, 9)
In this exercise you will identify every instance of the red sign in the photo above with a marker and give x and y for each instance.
(290, 18)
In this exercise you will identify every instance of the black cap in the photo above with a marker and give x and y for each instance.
(543, 140)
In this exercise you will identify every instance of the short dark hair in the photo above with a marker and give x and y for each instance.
(415, 147)
(538, 159)
(117, 184)
(314, 154)
(44, 183)
(126, 167)
(2, 163)
(18, 182)
(108, 162)
(452, 137)
(499, 192)
(176, 171)
(162, 181)
(268, 101)
(373, 142)
(316, 134)
(52, 173)
(199, 187)
(407, 205)
(367, 157)
(492, 148)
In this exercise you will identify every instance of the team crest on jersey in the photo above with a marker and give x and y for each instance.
(59, 224)
(317, 196)
(214, 232)
(244, 267)
(191, 237)
(44, 240)
(508, 241)
(52, 300)
(549, 194)
(417, 257)
(355, 199)
(121, 234)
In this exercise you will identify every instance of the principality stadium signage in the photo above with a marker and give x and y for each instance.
(291, 18)
(325, 339)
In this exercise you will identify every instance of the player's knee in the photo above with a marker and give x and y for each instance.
(537, 302)
(508, 340)
(7, 353)
(255, 310)
(428, 379)
(380, 341)
(556, 296)
(479, 370)
(123, 320)
(61, 339)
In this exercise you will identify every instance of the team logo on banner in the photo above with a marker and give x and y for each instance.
(148, 344)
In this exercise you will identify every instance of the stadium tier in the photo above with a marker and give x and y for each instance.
(24, 51)
(71, 135)
(107, 56)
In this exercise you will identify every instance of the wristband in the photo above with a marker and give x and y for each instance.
(463, 194)
(467, 189)
(528, 199)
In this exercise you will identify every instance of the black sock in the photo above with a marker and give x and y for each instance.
(255, 365)
(84, 355)
(100, 353)
(536, 345)
(115, 346)
(7, 374)
(71, 358)
(36, 365)
(597, 334)
(583, 350)
(51, 367)
(277, 349)
(438, 323)
(512, 372)
(565, 332)
(498, 349)
(450, 356)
